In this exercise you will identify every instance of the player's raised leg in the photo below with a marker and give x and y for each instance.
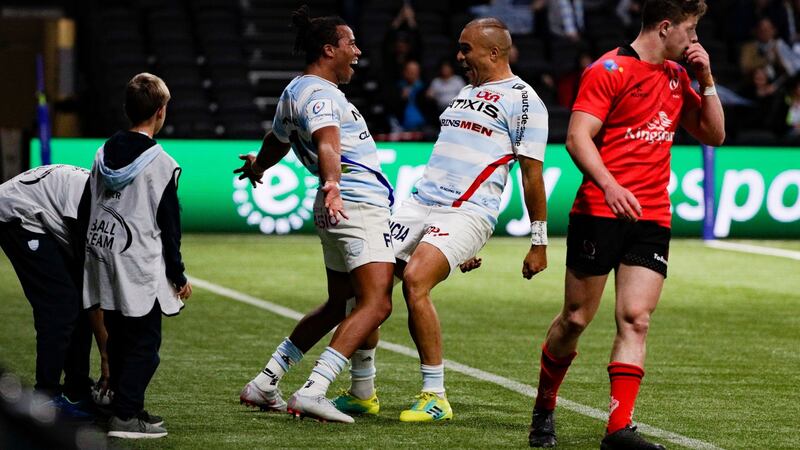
(263, 390)
(426, 268)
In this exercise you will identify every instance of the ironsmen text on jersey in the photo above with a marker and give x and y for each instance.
(309, 103)
(484, 129)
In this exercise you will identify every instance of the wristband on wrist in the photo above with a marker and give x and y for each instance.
(709, 91)
(538, 232)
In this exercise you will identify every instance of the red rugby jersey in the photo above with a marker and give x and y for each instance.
(640, 105)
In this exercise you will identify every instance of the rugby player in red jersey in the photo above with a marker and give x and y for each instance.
(629, 105)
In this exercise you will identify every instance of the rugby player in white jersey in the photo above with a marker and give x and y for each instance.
(494, 121)
(351, 214)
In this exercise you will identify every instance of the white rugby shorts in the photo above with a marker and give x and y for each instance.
(458, 233)
(350, 243)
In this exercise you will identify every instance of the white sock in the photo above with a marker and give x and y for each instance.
(268, 378)
(433, 379)
(327, 368)
(362, 373)
(285, 356)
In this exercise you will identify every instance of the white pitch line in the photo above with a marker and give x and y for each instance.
(757, 249)
(507, 383)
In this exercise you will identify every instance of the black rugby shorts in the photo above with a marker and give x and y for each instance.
(595, 245)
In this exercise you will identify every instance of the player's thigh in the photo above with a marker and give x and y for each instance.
(407, 226)
(595, 245)
(648, 246)
(427, 267)
(458, 234)
(351, 243)
(373, 281)
(638, 291)
(582, 294)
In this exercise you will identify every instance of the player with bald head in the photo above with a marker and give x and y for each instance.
(493, 122)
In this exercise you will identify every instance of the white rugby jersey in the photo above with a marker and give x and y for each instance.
(42, 197)
(309, 103)
(483, 131)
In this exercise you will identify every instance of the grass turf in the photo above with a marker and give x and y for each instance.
(722, 364)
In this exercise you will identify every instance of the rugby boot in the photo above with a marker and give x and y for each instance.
(348, 403)
(429, 407)
(316, 407)
(270, 401)
(628, 439)
(543, 429)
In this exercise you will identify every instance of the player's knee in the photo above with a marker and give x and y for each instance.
(415, 288)
(574, 323)
(382, 309)
(635, 322)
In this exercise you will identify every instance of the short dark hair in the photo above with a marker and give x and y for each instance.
(676, 11)
(314, 33)
(144, 95)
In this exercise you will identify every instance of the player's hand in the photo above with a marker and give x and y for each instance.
(623, 203)
(333, 200)
(698, 58)
(247, 170)
(470, 264)
(535, 261)
(185, 292)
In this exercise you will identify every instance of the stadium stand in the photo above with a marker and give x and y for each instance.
(228, 61)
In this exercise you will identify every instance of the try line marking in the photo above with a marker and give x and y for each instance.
(757, 249)
(507, 383)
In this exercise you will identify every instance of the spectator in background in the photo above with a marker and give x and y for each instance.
(567, 84)
(445, 86)
(410, 103)
(768, 51)
(763, 94)
(745, 15)
(790, 111)
(518, 15)
(566, 19)
(786, 17)
(401, 44)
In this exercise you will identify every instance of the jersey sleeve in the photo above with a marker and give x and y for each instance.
(321, 110)
(281, 120)
(527, 125)
(691, 99)
(598, 88)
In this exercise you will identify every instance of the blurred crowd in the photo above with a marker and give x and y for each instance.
(755, 43)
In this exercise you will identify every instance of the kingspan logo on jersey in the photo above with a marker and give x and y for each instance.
(283, 203)
(656, 130)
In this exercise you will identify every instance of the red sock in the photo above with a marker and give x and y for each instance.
(551, 375)
(625, 380)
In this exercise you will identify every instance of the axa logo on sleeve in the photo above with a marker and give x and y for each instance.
(742, 195)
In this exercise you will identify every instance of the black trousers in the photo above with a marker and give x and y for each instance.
(133, 344)
(51, 280)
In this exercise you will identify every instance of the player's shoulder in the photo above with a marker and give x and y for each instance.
(306, 87)
(519, 92)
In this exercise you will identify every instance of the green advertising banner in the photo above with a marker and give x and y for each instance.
(758, 189)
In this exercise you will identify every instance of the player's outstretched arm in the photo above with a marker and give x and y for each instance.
(329, 151)
(583, 127)
(536, 203)
(707, 123)
(272, 150)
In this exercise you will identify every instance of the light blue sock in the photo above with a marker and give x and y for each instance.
(327, 368)
(285, 356)
(432, 378)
